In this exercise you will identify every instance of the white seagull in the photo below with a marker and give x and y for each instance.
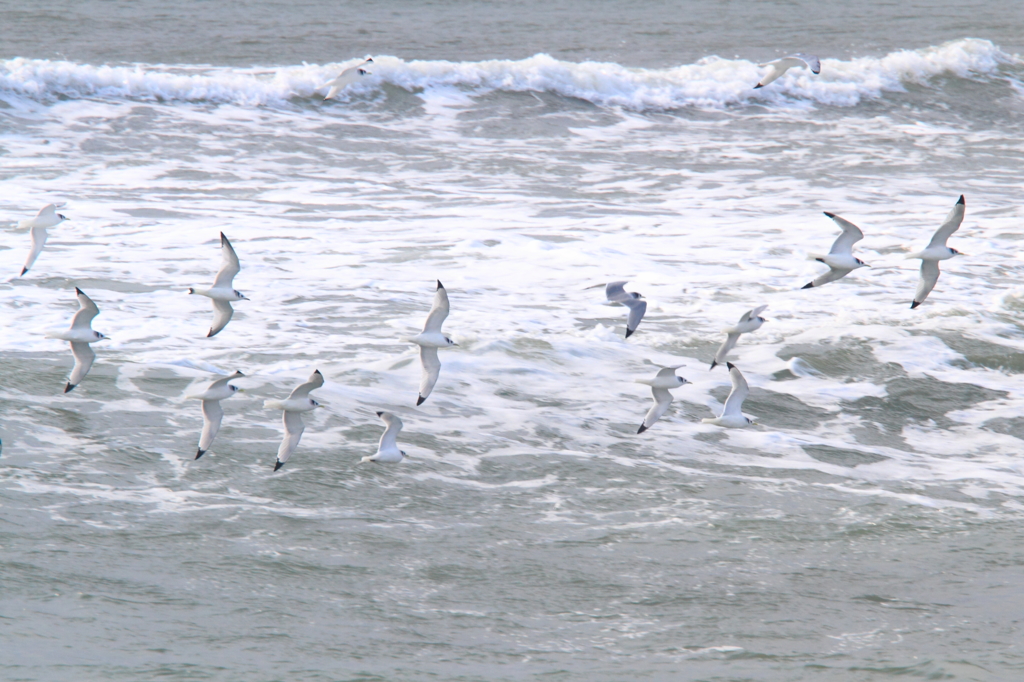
(936, 251)
(732, 414)
(660, 384)
(840, 258)
(780, 66)
(222, 291)
(616, 292)
(387, 449)
(213, 413)
(430, 340)
(297, 403)
(80, 335)
(46, 218)
(750, 322)
(346, 78)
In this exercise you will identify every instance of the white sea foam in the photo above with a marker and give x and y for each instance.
(711, 82)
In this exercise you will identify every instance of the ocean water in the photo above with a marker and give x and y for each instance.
(868, 528)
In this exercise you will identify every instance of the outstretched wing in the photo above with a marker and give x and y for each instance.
(86, 312)
(438, 311)
(293, 428)
(39, 235)
(84, 356)
(751, 314)
(666, 372)
(223, 380)
(316, 380)
(389, 439)
(929, 276)
(809, 60)
(739, 393)
(431, 370)
(637, 308)
(616, 291)
(662, 399)
(230, 266)
(850, 236)
(222, 312)
(213, 413)
(727, 345)
(950, 225)
(832, 275)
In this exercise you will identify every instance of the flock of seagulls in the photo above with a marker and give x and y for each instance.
(840, 261)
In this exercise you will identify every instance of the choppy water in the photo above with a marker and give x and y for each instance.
(868, 529)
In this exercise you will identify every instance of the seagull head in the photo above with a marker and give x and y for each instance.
(861, 263)
(239, 294)
(450, 342)
(63, 217)
(956, 253)
(314, 403)
(234, 389)
(682, 381)
(99, 337)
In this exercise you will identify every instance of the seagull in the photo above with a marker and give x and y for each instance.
(212, 411)
(46, 218)
(750, 322)
(840, 259)
(346, 78)
(430, 340)
(664, 380)
(387, 449)
(616, 293)
(80, 334)
(732, 414)
(780, 66)
(222, 292)
(297, 403)
(936, 251)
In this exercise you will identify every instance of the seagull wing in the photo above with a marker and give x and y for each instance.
(949, 226)
(39, 236)
(662, 399)
(230, 266)
(222, 312)
(809, 60)
(431, 370)
(850, 236)
(87, 310)
(389, 439)
(739, 393)
(832, 275)
(929, 276)
(727, 345)
(637, 308)
(316, 380)
(616, 291)
(293, 428)
(665, 372)
(213, 413)
(84, 356)
(438, 311)
(223, 380)
(47, 214)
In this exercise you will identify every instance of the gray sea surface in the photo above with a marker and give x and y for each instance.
(868, 528)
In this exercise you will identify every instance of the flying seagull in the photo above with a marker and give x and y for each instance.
(660, 384)
(46, 218)
(749, 322)
(387, 449)
(430, 339)
(732, 413)
(840, 259)
(80, 335)
(936, 251)
(780, 66)
(223, 291)
(296, 403)
(346, 78)
(213, 413)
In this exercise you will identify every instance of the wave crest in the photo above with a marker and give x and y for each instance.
(711, 82)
